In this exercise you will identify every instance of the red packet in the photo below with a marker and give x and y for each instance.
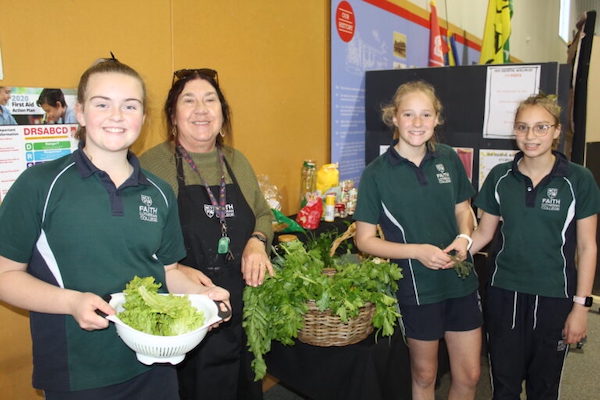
(309, 217)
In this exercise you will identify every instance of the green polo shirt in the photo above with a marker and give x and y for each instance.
(76, 230)
(416, 204)
(539, 229)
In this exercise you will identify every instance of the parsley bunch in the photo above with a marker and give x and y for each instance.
(275, 310)
(463, 268)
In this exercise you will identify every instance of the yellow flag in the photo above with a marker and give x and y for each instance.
(496, 33)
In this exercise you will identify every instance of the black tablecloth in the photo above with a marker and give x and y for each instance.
(369, 370)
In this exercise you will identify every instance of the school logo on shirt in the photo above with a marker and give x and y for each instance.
(442, 175)
(209, 210)
(147, 212)
(550, 202)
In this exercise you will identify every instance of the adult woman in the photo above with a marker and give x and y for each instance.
(225, 219)
(72, 230)
(538, 297)
(419, 193)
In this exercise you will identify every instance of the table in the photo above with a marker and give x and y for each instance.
(369, 370)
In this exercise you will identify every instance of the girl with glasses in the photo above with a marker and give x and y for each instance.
(539, 291)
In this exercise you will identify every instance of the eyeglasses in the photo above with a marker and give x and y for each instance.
(203, 72)
(539, 130)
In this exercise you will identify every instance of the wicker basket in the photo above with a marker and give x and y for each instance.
(322, 328)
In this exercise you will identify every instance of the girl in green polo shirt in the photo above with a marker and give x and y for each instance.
(419, 193)
(539, 294)
(80, 227)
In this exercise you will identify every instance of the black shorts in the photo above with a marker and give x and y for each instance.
(431, 321)
(160, 383)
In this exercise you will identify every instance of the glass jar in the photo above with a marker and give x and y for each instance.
(308, 180)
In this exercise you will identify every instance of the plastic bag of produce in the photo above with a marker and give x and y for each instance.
(309, 217)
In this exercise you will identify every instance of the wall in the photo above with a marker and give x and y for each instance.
(273, 66)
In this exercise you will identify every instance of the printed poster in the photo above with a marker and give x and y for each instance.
(31, 141)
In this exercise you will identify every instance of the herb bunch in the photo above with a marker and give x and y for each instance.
(275, 310)
(463, 268)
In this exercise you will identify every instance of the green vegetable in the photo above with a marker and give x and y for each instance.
(156, 314)
(462, 268)
(275, 310)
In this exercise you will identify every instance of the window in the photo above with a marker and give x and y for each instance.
(564, 19)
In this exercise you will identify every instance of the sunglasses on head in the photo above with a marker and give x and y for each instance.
(202, 72)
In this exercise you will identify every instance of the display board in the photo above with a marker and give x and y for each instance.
(462, 91)
(368, 35)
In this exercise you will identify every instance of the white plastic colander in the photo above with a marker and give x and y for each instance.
(152, 349)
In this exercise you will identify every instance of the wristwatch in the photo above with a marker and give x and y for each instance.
(468, 238)
(260, 237)
(584, 301)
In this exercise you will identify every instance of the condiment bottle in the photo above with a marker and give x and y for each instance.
(329, 214)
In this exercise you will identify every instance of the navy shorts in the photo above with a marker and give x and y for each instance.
(160, 383)
(431, 321)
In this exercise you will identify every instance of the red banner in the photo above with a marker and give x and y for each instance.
(436, 41)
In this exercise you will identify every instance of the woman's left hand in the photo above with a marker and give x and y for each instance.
(255, 262)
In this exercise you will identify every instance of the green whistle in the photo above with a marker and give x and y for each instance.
(223, 245)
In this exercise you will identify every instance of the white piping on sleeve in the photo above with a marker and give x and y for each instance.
(160, 190)
(52, 187)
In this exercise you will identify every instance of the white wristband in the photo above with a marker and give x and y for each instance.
(469, 240)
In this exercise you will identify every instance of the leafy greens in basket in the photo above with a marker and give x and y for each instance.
(156, 314)
(275, 310)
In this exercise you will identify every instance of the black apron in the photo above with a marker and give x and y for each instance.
(219, 368)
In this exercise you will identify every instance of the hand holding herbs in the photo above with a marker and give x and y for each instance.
(156, 314)
(463, 268)
(275, 310)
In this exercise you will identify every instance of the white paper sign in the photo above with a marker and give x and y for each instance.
(506, 87)
(488, 159)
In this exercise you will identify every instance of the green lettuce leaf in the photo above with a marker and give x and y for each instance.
(165, 315)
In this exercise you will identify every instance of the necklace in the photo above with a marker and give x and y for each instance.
(224, 240)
